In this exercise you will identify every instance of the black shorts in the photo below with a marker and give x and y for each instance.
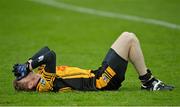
(112, 72)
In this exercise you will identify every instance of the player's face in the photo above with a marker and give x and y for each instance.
(30, 81)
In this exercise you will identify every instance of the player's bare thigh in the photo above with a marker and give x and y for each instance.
(122, 45)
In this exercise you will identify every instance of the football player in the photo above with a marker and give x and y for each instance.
(109, 76)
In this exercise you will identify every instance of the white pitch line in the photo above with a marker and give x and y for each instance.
(79, 9)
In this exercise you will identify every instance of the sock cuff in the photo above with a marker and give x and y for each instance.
(146, 77)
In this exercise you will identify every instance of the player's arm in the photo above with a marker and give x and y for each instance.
(48, 59)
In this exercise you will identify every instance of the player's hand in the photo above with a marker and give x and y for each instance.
(20, 71)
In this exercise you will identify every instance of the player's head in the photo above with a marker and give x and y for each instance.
(28, 83)
(23, 77)
(25, 80)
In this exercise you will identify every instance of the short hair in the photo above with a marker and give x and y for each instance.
(20, 86)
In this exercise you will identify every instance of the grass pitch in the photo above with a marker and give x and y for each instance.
(82, 40)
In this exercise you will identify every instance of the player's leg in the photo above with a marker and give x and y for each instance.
(112, 72)
(128, 47)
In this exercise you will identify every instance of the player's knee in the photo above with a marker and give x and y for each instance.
(125, 33)
(130, 37)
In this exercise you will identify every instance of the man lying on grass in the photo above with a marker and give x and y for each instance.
(109, 76)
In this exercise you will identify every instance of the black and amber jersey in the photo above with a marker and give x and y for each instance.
(46, 81)
(73, 78)
(66, 78)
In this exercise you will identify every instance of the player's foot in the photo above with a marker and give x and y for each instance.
(157, 85)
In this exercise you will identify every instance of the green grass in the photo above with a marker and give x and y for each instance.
(82, 40)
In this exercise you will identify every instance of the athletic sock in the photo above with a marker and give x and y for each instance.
(147, 79)
(149, 82)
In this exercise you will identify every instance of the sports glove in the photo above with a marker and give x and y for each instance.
(20, 71)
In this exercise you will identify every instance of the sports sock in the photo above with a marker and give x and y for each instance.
(147, 79)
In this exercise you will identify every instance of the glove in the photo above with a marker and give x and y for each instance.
(20, 71)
